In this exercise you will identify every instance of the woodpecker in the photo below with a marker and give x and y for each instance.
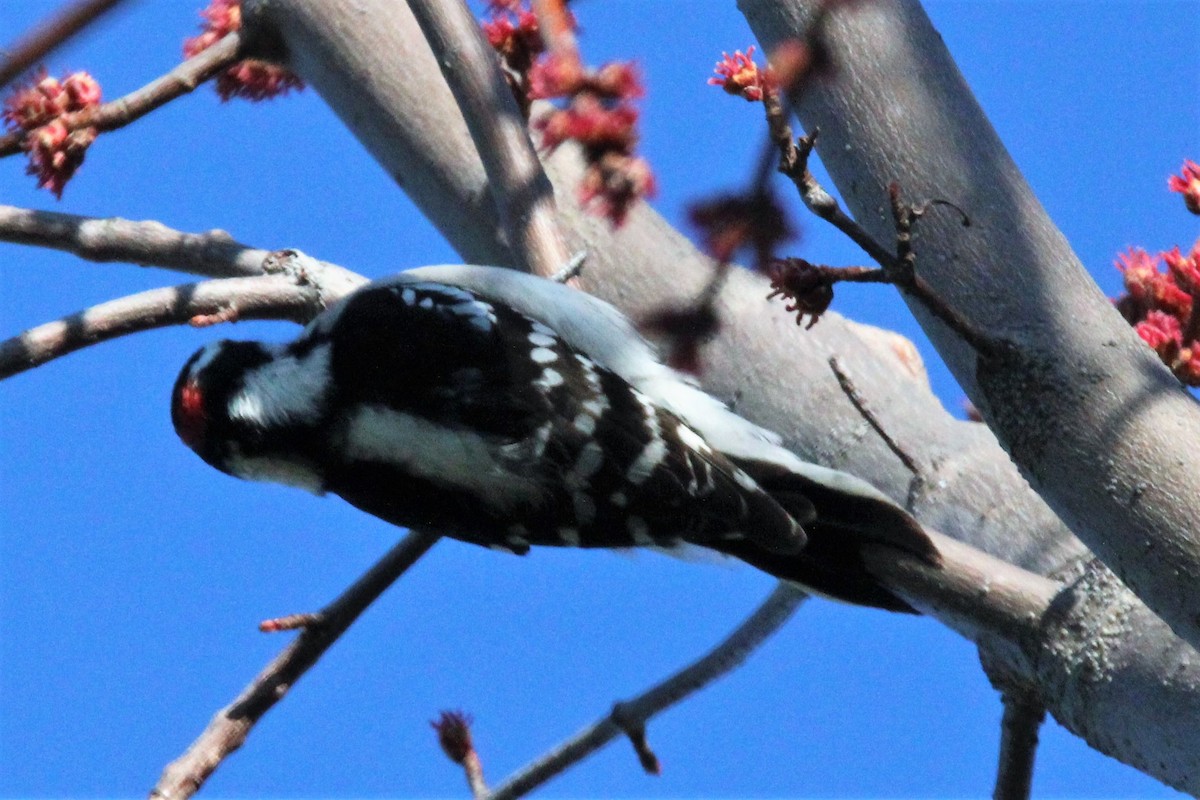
(510, 411)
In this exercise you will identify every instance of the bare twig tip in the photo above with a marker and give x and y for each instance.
(635, 730)
(291, 622)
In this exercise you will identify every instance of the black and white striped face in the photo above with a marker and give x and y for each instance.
(248, 409)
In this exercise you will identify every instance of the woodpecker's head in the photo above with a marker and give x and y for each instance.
(250, 410)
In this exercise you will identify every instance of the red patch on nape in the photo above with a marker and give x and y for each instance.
(190, 419)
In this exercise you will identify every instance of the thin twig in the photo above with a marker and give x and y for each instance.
(124, 110)
(573, 268)
(261, 297)
(902, 268)
(1023, 716)
(147, 243)
(523, 195)
(917, 483)
(229, 728)
(899, 267)
(473, 770)
(36, 44)
(816, 199)
(631, 714)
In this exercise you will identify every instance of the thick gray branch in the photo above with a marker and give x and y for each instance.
(1099, 427)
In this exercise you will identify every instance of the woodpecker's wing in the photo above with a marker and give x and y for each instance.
(838, 502)
(561, 449)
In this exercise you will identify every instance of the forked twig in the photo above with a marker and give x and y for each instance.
(630, 717)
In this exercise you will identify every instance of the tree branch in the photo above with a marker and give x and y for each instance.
(227, 731)
(523, 195)
(1099, 426)
(56, 30)
(148, 243)
(228, 299)
(631, 715)
(1023, 716)
(1107, 668)
(124, 110)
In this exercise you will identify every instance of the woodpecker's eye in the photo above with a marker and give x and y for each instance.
(188, 414)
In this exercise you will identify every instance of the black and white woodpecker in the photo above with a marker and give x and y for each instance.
(509, 411)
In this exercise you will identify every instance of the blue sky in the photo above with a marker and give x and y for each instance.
(134, 575)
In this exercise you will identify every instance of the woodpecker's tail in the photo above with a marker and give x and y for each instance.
(840, 514)
(831, 565)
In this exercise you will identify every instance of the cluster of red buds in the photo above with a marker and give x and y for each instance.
(512, 30)
(55, 148)
(251, 78)
(1163, 305)
(1188, 185)
(597, 110)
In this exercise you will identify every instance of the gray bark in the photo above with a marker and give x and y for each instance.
(1104, 664)
(1101, 429)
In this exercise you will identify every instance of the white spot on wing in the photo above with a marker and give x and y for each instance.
(543, 355)
(654, 451)
(585, 424)
(590, 459)
(619, 499)
(541, 438)
(538, 327)
(549, 379)
(285, 390)
(570, 536)
(541, 340)
(476, 312)
(745, 481)
(595, 406)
